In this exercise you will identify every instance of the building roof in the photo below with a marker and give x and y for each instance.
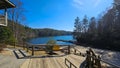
(6, 4)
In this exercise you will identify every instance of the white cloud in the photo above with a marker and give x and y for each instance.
(81, 4)
(96, 3)
(77, 3)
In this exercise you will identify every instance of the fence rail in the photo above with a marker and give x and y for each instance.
(71, 65)
(36, 47)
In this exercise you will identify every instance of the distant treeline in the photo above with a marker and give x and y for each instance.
(101, 33)
(51, 32)
(19, 33)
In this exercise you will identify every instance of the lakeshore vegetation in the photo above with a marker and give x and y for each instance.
(22, 33)
(102, 32)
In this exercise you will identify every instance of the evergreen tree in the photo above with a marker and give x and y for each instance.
(6, 35)
(78, 28)
(85, 24)
(92, 26)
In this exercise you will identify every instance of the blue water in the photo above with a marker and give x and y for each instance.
(44, 40)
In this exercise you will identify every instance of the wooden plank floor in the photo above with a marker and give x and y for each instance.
(52, 62)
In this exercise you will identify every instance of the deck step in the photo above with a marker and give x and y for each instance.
(25, 54)
(20, 53)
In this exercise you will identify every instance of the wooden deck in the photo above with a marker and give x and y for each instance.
(52, 62)
(18, 58)
(57, 61)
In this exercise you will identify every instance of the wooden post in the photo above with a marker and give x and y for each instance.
(69, 49)
(6, 17)
(32, 50)
(23, 44)
(14, 44)
(94, 58)
(27, 47)
(74, 51)
(98, 62)
(88, 60)
(70, 65)
(65, 60)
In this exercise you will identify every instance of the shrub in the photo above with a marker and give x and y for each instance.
(6, 35)
(49, 47)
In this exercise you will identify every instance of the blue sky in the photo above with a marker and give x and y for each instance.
(60, 14)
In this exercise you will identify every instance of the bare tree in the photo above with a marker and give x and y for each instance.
(16, 15)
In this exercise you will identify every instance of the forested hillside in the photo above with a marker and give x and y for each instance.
(19, 33)
(51, 32)
(101, 33)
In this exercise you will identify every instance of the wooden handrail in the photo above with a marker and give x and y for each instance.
(81, 54)
(29, 44)
(114, 65)
(71, 64)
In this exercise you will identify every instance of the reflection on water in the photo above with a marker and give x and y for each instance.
(43, 40)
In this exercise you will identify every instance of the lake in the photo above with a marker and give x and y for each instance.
(44, 40)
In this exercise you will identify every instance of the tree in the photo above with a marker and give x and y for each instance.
(116, 24)
(16, 15)
(104, 33)
(100, 28)
(92, 26)
(6, 36)
(78, 28)
(85, 24)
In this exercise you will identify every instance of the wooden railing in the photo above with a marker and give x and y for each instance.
(93, 60)
(69, 64)
(80, 53)
(33, 47)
